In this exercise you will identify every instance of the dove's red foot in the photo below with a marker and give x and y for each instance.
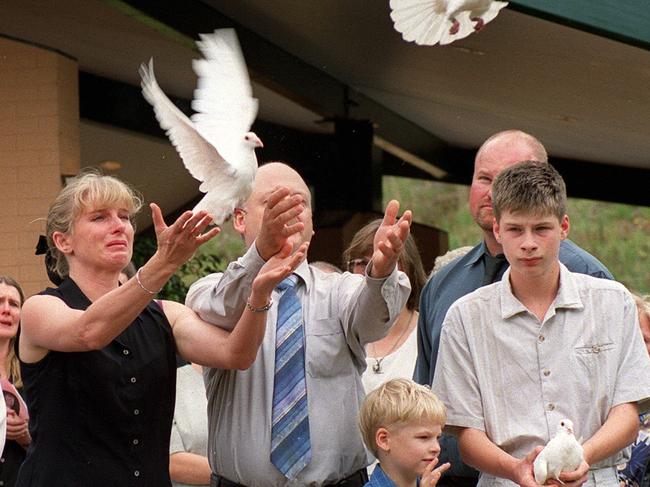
(479, 23)
(455, 27)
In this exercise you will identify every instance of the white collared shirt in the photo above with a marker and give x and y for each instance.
(502, 371)
(342, 313)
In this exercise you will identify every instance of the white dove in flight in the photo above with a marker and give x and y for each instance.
(215, 144)
(563, 453)
(429, 22)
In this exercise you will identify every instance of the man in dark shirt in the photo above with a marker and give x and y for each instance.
(482, 265)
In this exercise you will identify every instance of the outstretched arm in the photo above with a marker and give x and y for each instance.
(389, 240)
(47, 323)
(369, 308)
(200, 342)
(220, 299)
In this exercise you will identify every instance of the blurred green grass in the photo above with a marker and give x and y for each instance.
(618, 234)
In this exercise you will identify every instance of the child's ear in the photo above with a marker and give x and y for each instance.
(382, 438)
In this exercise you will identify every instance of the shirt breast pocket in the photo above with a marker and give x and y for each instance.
(327, 352)
(594, 355)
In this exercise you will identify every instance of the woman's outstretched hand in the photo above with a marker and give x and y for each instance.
(178, 241)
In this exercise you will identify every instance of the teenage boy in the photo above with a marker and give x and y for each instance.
(401, 422)
(540, 345)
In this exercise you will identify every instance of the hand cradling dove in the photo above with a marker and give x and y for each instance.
(215, 144)
(429, 22)
(563, 453)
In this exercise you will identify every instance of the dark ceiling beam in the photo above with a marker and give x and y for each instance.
(320, 92)
(122, 105)
(589, 180)
(622, 20)
(295, 79)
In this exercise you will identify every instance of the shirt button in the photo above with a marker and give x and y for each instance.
(546, 372)
(133, 380)
(125, 351)
(135, 441)
(136, 411)
(136, 473)
(551, 406)
(541, 338)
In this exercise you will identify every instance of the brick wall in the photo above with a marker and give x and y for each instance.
(39, 142)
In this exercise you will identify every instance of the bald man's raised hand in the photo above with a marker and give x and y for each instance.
(389, 240)
(281, 219)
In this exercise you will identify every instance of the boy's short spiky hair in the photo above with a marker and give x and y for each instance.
(396, 403)
(530, 187)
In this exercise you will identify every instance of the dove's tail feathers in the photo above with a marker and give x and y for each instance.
(219, 212)
(421, 21)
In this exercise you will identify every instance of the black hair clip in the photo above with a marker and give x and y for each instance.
(41, 246)
(50, 262)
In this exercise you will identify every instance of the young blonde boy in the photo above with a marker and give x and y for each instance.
(401, 422)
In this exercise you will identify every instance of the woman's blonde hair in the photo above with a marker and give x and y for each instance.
(90, 189)
(395, 403)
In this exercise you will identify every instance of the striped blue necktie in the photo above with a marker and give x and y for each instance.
(290, 445)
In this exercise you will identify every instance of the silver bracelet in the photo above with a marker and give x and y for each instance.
(266, 307)
(137, 278)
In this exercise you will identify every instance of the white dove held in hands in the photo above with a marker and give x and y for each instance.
(563, 453)
(216, 144)
(429, 22)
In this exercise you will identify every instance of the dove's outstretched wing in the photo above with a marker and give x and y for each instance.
(223, 98)
(201, 158)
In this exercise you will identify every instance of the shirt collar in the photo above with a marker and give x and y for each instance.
(567, 294)
(302, 271)
(379, 478)
(476, 254)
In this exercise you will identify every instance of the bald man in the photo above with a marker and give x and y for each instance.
(340, 314)
(482, 265)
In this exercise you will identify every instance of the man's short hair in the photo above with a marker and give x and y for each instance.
(529, 187)
(398, 402)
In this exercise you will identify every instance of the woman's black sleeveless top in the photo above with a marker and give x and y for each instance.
(102, 418)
